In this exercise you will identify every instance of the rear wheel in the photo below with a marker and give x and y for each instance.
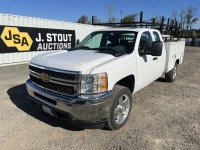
(120, 107)
(171, 75)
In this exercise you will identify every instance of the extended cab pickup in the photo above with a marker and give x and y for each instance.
(92, 84)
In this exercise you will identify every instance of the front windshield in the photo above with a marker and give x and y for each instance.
(114, 42)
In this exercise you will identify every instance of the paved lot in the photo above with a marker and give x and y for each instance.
(164, 116)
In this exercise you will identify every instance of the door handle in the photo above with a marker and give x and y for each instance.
(155, 58)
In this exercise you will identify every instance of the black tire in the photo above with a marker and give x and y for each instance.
(171, 75)
(120, 107)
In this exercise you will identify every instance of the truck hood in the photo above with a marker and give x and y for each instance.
(78, 60)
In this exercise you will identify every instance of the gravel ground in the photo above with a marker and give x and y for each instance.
(164, 116)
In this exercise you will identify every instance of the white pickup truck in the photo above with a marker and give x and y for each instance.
(92, 84)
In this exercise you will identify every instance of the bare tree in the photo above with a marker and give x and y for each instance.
(187, 17)
(84, 20)
(156, 19)
(183, 19)
(97, 20)
(190, 16)
(174, 15)
(110, 14)
(130, 18)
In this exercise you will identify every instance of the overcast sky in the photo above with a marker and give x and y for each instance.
(71, 10)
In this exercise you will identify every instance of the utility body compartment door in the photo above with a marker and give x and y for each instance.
(174, 51)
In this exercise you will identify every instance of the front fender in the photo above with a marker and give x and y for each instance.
(118, 69)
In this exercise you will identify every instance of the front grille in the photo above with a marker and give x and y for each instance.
(53, 86)
(63, 82)
(59, 75)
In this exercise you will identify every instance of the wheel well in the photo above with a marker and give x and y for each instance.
(177, 61)
(128, 82)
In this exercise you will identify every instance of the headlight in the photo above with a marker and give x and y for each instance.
(92, 84)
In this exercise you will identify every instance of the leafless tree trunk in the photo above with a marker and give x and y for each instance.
(174, 15)
(110, 14)
(183, 21)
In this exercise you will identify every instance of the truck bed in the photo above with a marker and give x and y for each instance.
(174, 52)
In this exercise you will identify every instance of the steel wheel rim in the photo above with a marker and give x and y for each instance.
(174, 72)
(122, 109)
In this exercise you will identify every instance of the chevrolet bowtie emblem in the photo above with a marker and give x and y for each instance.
(44, 77)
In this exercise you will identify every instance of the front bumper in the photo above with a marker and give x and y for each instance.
(81, 112)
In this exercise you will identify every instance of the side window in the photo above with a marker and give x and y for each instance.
(145, 41)
(156, 36)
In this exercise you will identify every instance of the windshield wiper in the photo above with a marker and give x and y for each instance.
(82, 47)
(109, 50)
(103, 48)
(79, 47)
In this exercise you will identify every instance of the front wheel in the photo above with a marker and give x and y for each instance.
(120, 109)
(171, 75)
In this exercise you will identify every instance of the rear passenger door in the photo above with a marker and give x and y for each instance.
(161, 60)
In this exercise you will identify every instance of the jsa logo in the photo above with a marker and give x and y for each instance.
(12, 37)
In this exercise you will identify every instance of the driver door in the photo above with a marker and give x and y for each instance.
(146, 63)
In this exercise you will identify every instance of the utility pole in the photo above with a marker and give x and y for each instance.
(121, 12)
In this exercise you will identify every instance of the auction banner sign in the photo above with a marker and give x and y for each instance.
(24, 39)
